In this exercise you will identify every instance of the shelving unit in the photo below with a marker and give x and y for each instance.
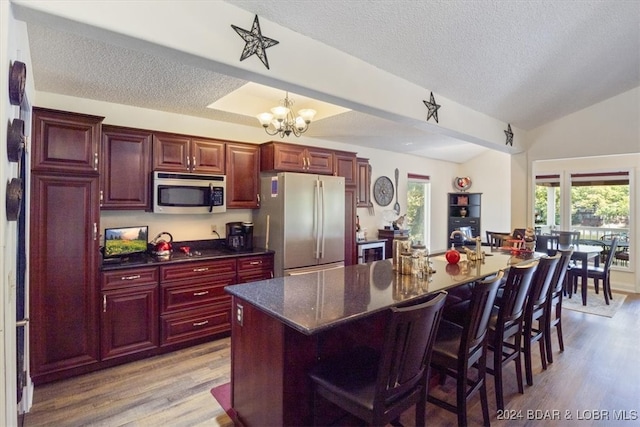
(457, 204)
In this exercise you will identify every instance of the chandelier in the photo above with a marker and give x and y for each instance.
(282, 121)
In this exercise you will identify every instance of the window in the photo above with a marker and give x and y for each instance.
(418, 208)
(595, 203)
(547, 202)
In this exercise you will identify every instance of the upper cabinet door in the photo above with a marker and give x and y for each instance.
(243, 184)
(180, 153)
(319, 161)
(282, 157)
(126, 168)
(65, 142)
(171, 152)
(277, 156)
(207, 156)
(345, 166)
(363, 198)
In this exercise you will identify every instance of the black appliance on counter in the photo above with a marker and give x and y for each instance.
(240, 236)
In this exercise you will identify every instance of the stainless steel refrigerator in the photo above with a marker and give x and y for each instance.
(301, 218)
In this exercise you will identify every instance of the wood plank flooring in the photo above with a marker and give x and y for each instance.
(593, 382)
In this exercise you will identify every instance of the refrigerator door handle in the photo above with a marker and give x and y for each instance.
(322, 214)
(316, 219)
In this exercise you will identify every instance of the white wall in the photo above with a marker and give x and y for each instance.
(609, 127)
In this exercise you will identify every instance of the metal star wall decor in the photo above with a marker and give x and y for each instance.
(433, 108)
(256, 43)
(509, 135)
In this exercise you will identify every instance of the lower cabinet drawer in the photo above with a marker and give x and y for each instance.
(188, 296)
(192, 324)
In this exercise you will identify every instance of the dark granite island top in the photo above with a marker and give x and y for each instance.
(313, 302)
(281, 327)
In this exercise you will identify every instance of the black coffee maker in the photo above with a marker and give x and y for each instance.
(240, 236)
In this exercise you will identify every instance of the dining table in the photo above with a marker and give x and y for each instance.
(583, 254)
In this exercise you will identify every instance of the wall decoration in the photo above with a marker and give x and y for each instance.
(433, 108)
(17, 82)
(462, 183)
(383, 191)
(15, 140)
(256, 43)
(14, 199)
(509, 134)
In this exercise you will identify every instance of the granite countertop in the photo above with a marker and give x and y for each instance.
(313, 302)
(201, 250)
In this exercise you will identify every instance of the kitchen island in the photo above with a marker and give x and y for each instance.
(281, 327)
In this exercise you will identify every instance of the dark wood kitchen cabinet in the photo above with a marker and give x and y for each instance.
(279, 156)
(350, 247)
(65, 142)
(126, 169)
(253, 268)
(182, 153)
(345, 166)
(193, 304)
(64, 244)
(64, 218)
(243, 175)
(363, 198)
(129, 315)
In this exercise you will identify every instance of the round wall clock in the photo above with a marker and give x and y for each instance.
(383, 191)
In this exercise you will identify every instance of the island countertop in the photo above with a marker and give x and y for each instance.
(313, 302)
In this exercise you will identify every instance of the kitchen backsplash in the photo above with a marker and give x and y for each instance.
(181, 227)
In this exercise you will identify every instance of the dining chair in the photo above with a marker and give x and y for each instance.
(567, 238)
(378, 386)
(554, 302)
(535, 312)
(495, 239)
(458, 348)
(598, 273)
(506, 325)
(547, 243)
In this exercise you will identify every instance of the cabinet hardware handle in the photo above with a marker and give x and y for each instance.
(200, 323)
(193, 161)
(95, 231)
(134, 277)
(197, 270)
(198, 294)
(95, 161)
(188, 162)
(258, 198)
(22, 323)
(104, 303)
(255, 262)
(101, 196)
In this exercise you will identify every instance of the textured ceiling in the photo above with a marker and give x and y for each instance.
(524, 63)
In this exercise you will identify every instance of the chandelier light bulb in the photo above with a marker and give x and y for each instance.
(265, 119)
(307, 115)
(280, 113)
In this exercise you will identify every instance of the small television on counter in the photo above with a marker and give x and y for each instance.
(125, 241)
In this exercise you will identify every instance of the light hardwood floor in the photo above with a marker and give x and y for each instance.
(594, 381)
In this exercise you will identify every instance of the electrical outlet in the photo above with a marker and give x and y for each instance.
(239, 314)
(214, 229)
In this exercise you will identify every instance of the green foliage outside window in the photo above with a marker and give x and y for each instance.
(415, 212)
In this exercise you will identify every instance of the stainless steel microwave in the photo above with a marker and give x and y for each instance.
(181, 193)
